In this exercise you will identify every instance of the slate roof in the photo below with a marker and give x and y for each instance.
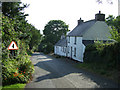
(80, 29)
(92, 30)
(62, 42)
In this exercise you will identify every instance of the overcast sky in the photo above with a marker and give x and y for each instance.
(42, 11)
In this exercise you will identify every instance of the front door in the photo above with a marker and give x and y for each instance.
(71, 52)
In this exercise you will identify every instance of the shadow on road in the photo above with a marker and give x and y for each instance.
(60, 68)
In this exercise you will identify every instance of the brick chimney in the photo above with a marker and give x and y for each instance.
(99, 16)
(80, 21)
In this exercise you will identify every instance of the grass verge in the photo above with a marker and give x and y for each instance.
(0, 87)
(14, 87)
(100, 69)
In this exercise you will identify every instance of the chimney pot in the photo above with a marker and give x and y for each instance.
(99, 12)
(80, 21)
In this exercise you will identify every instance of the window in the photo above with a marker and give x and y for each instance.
(69, 39)
(65, 50)
(57, 49)
(75, 40)
(75, 52)
(68, 49)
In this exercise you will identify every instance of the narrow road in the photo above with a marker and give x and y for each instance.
(51, 72)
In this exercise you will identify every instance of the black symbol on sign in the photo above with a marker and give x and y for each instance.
(13, 45)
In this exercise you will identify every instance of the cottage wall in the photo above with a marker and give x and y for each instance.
(60, 50)
(75, 50)
(55, 52)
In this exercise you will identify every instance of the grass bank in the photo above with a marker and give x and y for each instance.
(100, 69)
(103, 59)
(14, 87)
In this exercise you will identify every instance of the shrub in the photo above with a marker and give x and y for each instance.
(48, 48)
(17, 70)
(103, 53)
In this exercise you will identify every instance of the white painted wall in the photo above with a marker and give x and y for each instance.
(59, 50)
(80, 48)
(55, 50)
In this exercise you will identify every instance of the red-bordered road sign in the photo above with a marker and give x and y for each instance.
(13, 46)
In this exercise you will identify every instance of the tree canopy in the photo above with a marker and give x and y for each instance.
(14, 9)
(54, 29)
(16, 28)
(115, 26)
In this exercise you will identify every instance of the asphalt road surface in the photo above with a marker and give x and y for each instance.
(52, 72)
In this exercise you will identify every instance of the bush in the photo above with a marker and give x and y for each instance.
(103, 53)
(49, 48)
(29, 52)
(46, 48)
(17, 70)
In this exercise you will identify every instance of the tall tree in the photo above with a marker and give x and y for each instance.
(115, 27)
(15, 27)
(35, 38)
(117, 23)
(13, 9)
(54, 29)
(110, 20)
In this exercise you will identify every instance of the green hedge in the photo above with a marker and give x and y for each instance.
(103, 53)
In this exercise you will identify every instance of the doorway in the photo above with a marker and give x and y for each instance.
(71, 52)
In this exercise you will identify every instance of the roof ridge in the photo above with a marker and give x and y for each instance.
(82, 28)
(89, 20)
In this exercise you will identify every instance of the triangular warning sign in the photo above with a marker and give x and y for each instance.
(13, 46)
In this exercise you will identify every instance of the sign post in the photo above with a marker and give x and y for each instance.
(13, 46)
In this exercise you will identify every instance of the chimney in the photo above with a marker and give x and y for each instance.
(62, 36)
(99, 16)
(80, 21)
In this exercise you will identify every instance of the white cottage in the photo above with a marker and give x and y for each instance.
(83, 34)
(86, 33)
(60, 47)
